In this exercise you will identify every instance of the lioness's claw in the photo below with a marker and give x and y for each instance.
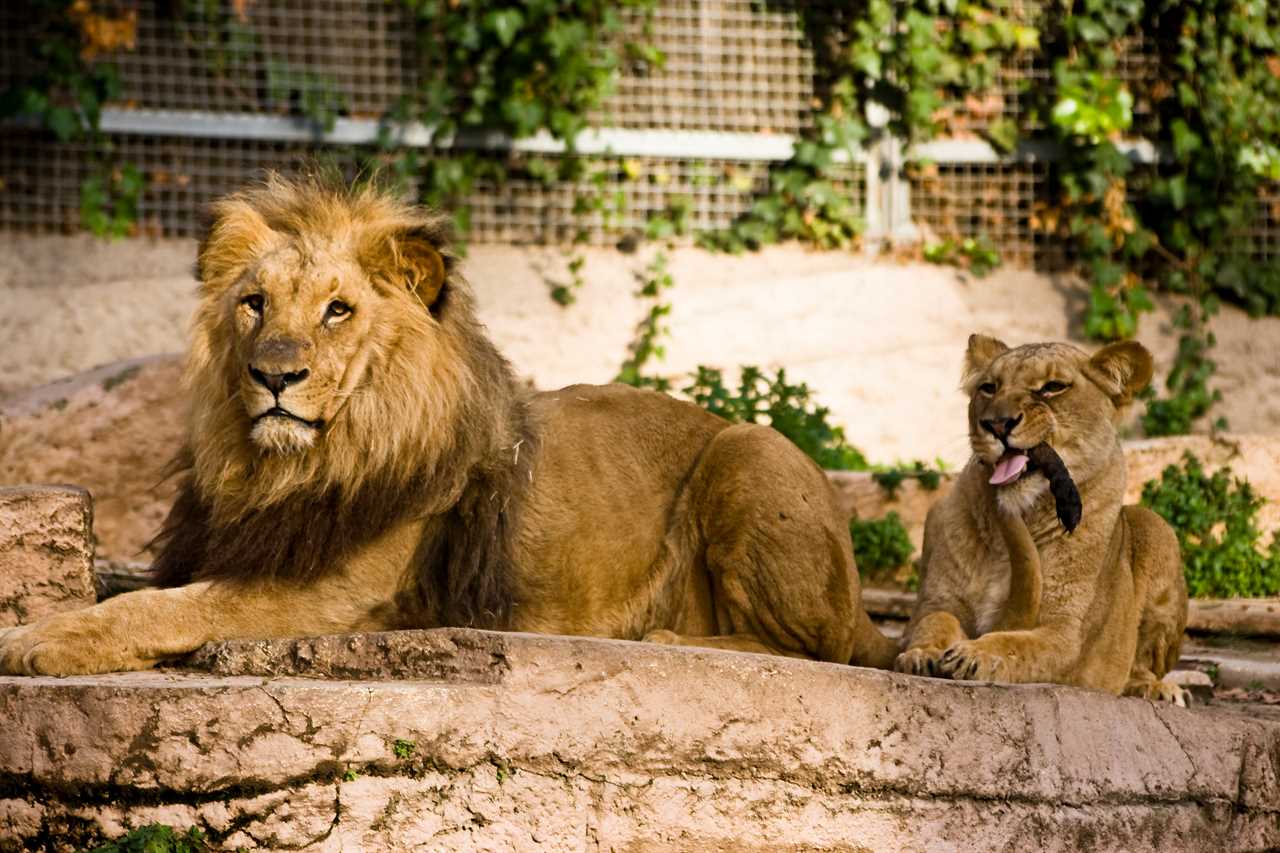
(917, 661)
(969, 662)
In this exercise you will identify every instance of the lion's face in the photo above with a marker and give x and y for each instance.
(1047, 393)
(311, 299)
(304, 325)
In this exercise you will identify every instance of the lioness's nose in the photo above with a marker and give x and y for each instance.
(277, 382)
(1000, 427)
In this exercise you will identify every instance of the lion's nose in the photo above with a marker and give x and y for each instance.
(1001, 428)
(277, 382)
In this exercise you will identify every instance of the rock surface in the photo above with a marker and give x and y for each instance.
(515, 742)
(46, 552)
(112, 431)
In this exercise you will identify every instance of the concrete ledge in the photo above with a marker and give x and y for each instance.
(510, 742)
(46, 552)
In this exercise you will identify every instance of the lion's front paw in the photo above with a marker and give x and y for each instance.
(920, 660)
(970, 661)
(65, 644)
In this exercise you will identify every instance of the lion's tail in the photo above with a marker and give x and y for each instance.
(870, 647)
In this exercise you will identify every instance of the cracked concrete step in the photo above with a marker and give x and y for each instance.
(511, 742)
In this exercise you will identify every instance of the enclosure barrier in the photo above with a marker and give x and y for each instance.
(202, 112)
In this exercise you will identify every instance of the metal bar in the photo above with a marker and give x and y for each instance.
(1027, 151)
(622, 142)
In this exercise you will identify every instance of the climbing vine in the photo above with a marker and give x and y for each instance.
(69, 80)
(1208, 104)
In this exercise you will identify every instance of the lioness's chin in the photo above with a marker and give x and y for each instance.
(1022, 494)
(277, 434)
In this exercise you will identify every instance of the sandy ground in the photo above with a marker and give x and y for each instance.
(880, 342)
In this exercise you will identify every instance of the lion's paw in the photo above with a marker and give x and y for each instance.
(663, 636)
(918, 661)
(65, 644)
(969, 661)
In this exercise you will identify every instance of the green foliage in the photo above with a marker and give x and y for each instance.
(807, 199)
(880, 545)
(404, 749)
(1212, 111)
(66, 85)
(890, 477)
(315, 96)
(519, 67)
(654, 281)
(109, 201)
(980, 256)
(760, 398)
(1091, 105)
(1190, 397)
(64, 89)
(1215, 518)
(156, 838)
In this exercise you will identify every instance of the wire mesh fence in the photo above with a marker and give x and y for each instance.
(732, 66)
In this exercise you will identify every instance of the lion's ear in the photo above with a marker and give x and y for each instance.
(1121, 370)
(237, 235)
(981, 352)
(410, 259)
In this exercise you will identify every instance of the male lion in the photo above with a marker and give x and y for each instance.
(1008, 593)
(360, 458)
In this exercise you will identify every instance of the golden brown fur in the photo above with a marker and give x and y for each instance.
(360, 458)
(1006, 594)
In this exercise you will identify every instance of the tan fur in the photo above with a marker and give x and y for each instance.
(1006, 594)
(421, 487)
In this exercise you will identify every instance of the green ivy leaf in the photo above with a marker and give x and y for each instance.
(504, 23)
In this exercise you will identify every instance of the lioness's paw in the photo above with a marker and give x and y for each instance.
(918, 661)
(1159, 691)
(969, 661)
(66, 644)
(666, 638)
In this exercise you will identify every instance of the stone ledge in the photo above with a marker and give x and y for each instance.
(46, 552)
(513, 741)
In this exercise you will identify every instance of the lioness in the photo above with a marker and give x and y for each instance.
(1007, 593)
(360, 457)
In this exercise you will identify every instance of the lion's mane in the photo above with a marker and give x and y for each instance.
(432, 431)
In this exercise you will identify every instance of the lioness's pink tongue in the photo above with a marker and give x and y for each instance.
(1008, 469)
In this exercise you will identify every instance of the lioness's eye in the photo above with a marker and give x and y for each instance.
(1051, 388)
(336, 310)
(254, 302)
(987, 388)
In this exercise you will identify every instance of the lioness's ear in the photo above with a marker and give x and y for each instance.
(981, 352)
(409, 259)
(1121, 370)
(237, 235)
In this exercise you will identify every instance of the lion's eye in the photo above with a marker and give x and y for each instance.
(987, 388)
(337, 310)
(1048, 389)
(254, 302)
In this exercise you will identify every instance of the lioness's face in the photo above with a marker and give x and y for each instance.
(1046, 393)
(302, 321)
